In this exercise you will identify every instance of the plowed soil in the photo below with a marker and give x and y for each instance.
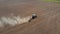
(47, 22)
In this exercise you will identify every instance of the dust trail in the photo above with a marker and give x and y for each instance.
(13, 20)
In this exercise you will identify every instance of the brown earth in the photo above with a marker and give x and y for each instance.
(48, 21)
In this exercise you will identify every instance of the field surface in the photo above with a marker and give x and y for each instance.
(47, 22)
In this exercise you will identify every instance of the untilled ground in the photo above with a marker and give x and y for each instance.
(47, 22)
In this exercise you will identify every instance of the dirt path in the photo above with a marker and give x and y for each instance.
(48, 21)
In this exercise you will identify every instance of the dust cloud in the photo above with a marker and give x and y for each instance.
(13, 20)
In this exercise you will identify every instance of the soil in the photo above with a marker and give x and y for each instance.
(47, 21)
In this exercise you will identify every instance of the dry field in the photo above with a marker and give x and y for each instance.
(47, 22)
